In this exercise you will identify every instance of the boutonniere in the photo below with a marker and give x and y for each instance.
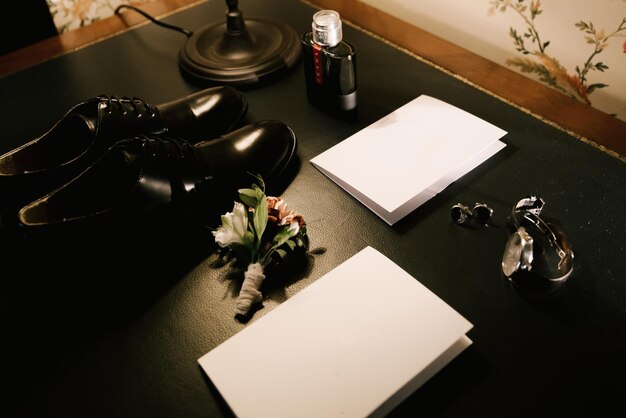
(261, 230)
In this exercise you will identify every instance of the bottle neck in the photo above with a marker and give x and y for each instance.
(327, 29)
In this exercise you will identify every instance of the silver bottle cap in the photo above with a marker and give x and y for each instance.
(327, 28)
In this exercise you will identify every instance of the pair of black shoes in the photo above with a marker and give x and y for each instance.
(110, 159)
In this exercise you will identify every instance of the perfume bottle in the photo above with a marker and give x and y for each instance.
(329, 65)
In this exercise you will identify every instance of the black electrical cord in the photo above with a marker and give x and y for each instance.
(188, 33)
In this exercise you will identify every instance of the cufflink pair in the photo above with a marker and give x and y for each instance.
(461, 214)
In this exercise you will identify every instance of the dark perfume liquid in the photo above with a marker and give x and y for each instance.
(330, 74)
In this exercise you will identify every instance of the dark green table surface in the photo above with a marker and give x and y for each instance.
(100, 328)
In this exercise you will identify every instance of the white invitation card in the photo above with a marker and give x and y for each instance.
(399, 162)
(355, 343)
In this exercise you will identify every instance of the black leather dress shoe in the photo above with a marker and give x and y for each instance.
(151, 178)
(87, 130)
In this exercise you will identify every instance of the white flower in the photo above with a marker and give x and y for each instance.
(294, 228)
(234, 226)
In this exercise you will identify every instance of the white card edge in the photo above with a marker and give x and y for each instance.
(421, 378)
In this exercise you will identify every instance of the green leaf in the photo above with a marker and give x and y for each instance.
(260, 217)
(601, 66)
(248, 191)
(253, 195)
(281, 253)
(248, 201)
(261, 182)
(260, 194)
(248, 239)
(592, 87)
(281, 237)
(248, 197)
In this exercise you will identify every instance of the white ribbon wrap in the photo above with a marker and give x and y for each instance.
(249, 293)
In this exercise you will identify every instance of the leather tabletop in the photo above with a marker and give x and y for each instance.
(112, 325)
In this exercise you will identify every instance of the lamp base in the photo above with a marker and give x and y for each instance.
(262, 52)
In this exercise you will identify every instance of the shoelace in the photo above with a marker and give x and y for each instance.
(136, 103)
(157, 146)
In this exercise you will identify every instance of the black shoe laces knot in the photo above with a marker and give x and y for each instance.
(125, 104)
(163, 147)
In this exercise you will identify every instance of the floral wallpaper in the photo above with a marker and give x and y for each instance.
(72, 14)
(535, 57)
(575, 46)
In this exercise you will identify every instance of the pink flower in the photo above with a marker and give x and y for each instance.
(293, 218)
(279, 214)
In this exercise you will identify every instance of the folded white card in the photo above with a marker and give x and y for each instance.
(355, 343)
(399, 162)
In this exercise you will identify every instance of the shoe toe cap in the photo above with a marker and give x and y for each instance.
(266, 148)
(206, 114)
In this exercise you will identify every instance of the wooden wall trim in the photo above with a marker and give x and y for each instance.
(581, 120)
